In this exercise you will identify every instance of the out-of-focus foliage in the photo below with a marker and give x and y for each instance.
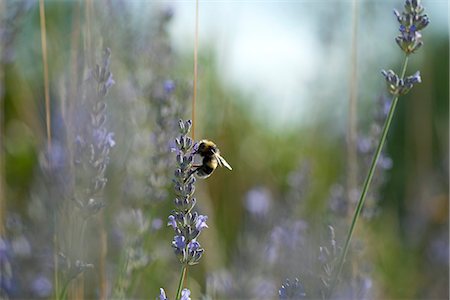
(269, 219)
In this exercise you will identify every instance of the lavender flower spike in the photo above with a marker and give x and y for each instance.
(411, 22)
(186, 223)
(398, 86)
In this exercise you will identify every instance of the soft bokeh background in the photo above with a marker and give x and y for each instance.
(273, 92)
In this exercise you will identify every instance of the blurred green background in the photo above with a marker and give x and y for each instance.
(274, 85)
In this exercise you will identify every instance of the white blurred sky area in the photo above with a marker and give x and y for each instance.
(293, 57)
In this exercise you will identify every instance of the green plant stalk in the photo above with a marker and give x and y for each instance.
(180, 284)
(63, 294)
(366, 186)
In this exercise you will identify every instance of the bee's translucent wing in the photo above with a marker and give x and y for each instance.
(223, 162)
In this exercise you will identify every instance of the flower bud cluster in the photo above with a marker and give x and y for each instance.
(186, 224)
(398, 86)
(94, 141)
(411, 20)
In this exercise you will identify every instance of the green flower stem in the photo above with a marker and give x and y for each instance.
(366, 186)
(63, 294)
(180, 284)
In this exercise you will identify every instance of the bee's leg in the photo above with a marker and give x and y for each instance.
(193, 170)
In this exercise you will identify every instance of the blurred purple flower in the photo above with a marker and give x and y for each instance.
(102, 137)
(438, 250)
(288, 237)
(169, 86)
(21, 247)
(6, 275)
(258, 201)
(292, 290)
(157, 224)
(42, 287)
(364, 144)
(110, 81)
(385, 162)
(110, 139)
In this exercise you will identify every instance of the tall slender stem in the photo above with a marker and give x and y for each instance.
(55, 255)
(181, 282)
(48, 127)
(103, 253)
(194, 98)
(367, 182)
(46, 81)
(2, 139)
(89, 12)
(352, 163)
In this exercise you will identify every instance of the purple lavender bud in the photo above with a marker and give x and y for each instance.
(397, 14)
(414, 78)
(188, 124)
(169, 86)
(179, 242)
(162, 294)
(195, 256)
(181, 125)
(193, 246)
(109, 140)
(172, 222)
(200, 223)
(185, 294)
(109, 81)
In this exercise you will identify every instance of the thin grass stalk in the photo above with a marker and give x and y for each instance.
(2, 146)
(55, 256)
(103, 253)
(352, 163)
(194, 98)
(2, 140)
(45, 65)
(48, 130)
(74, 44)
(88, 15)
(366, 185)
(2, 171)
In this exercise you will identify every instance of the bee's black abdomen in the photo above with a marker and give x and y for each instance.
(204, 171)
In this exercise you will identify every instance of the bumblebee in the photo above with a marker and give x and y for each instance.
(211, 159)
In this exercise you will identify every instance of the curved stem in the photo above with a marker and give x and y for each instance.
(63, 293)
(367, 182)
(180, 284)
